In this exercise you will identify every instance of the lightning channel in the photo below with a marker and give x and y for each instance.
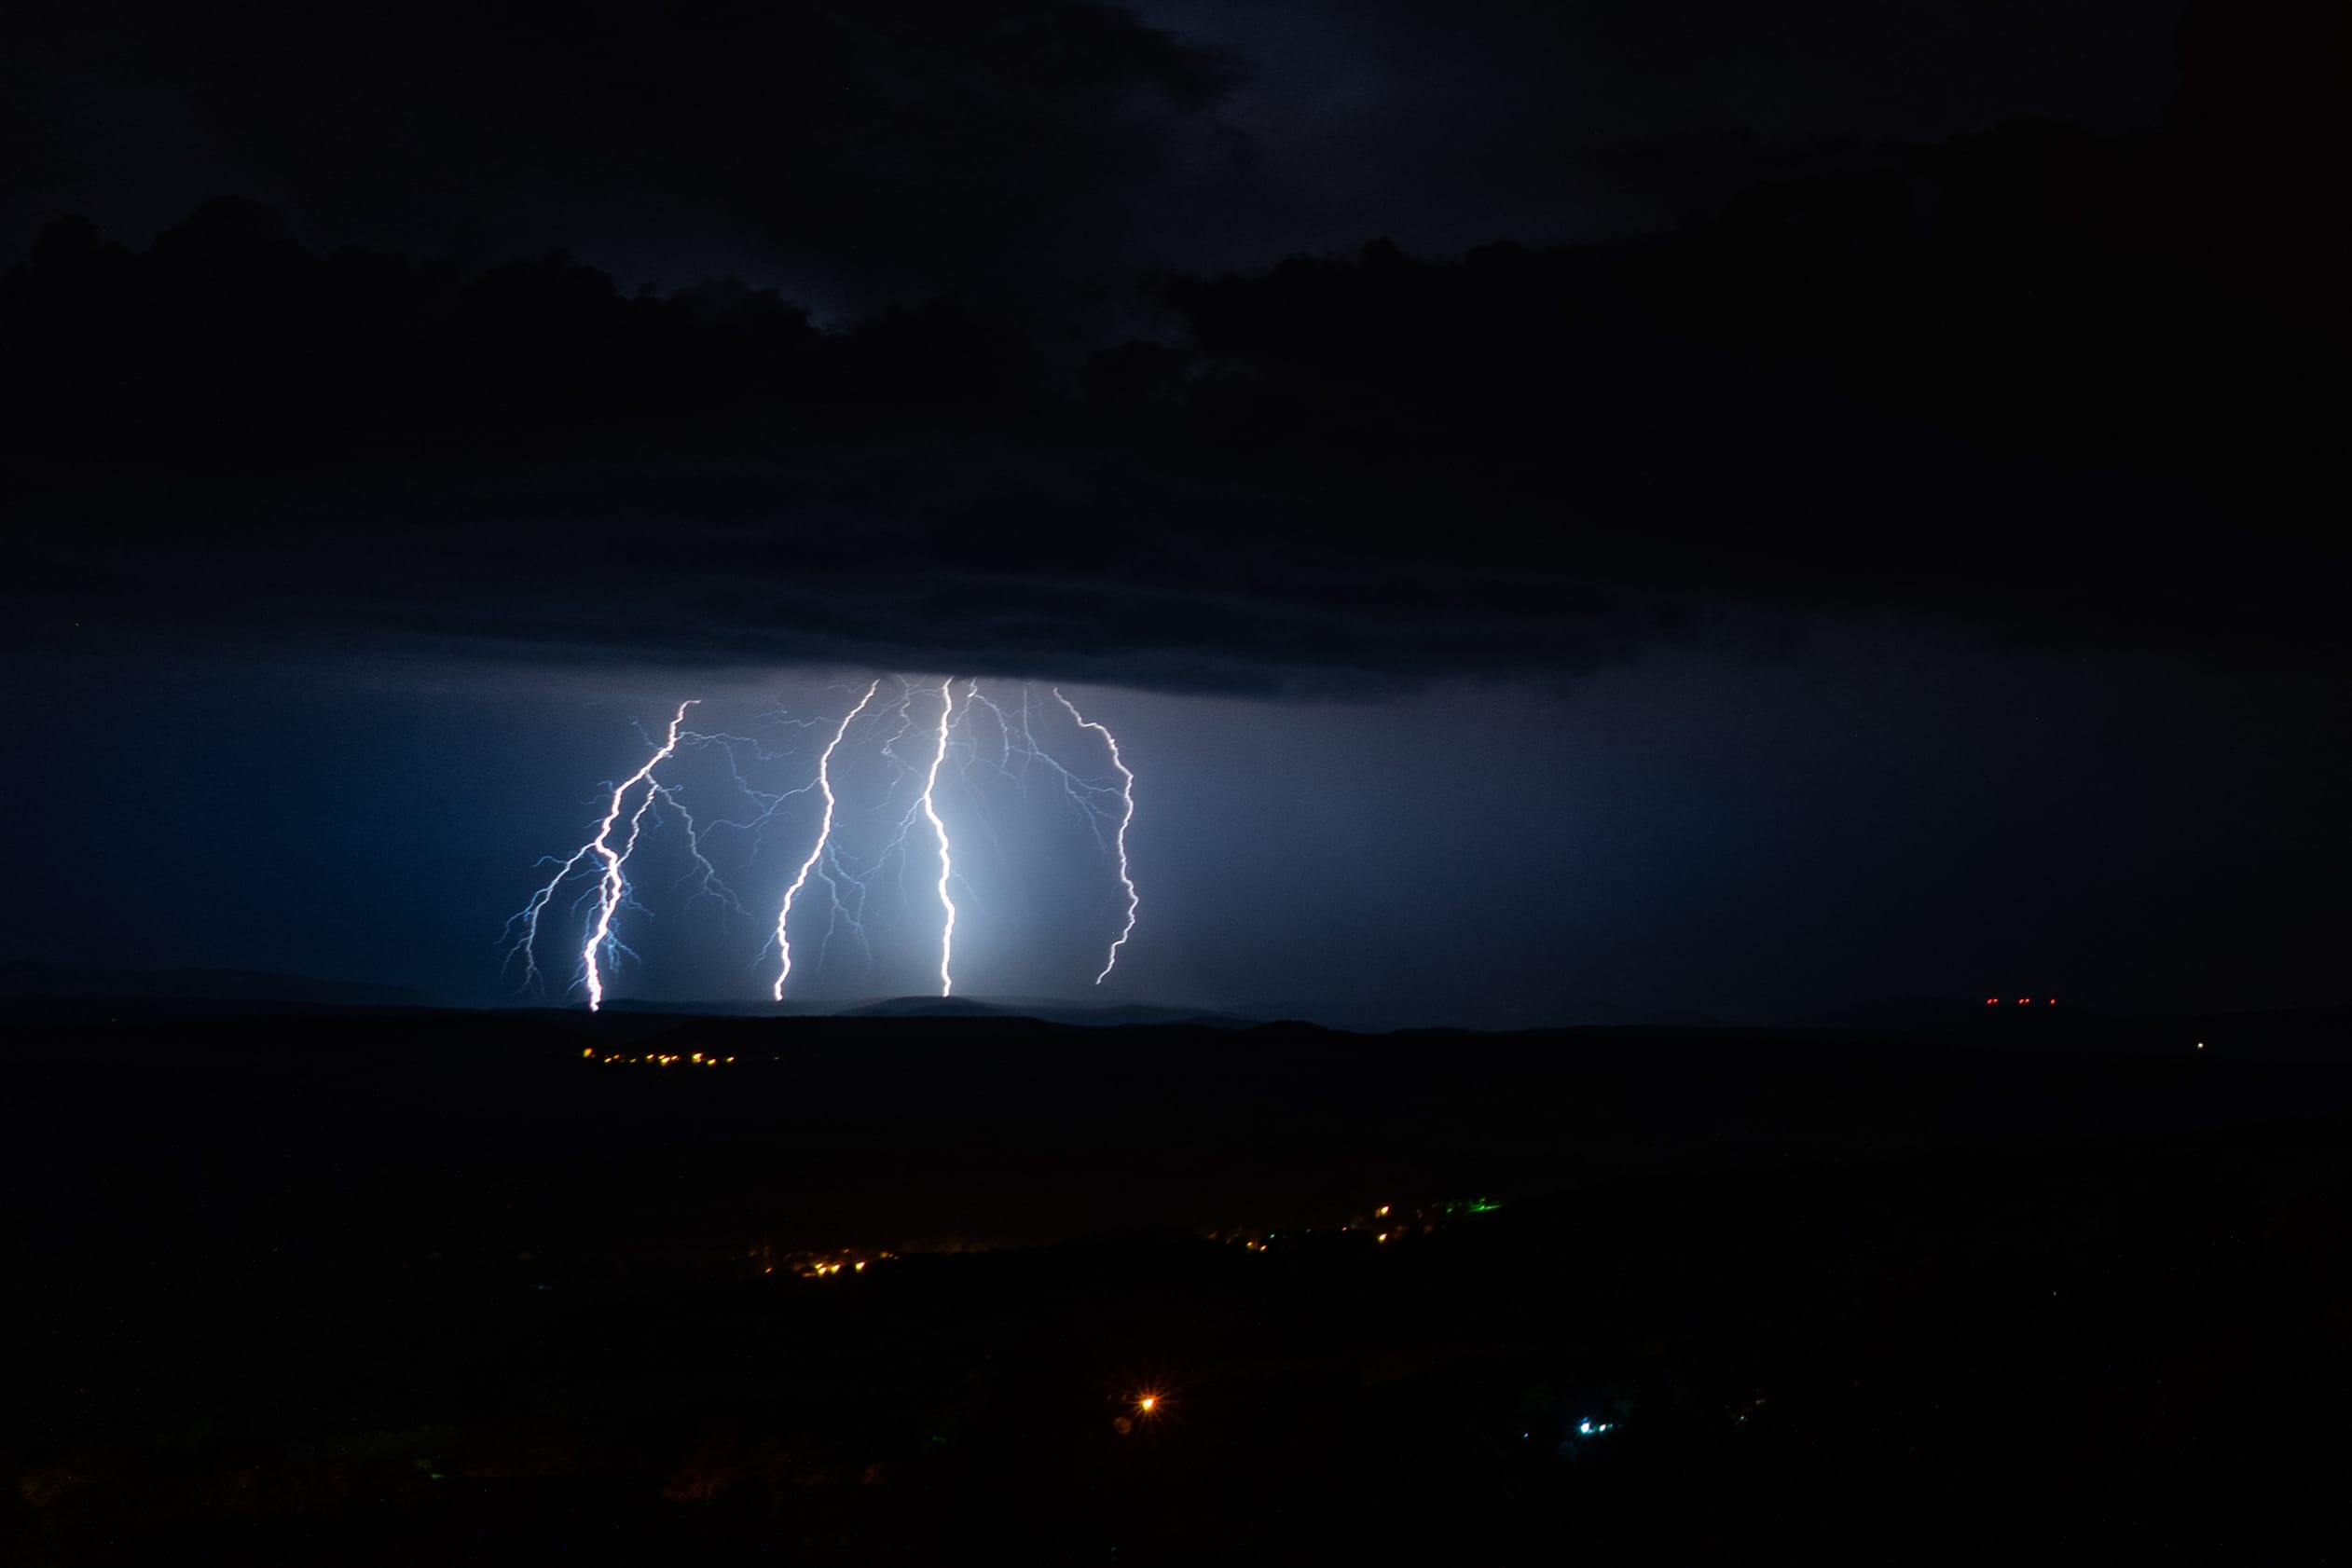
(824, 835)
(611, 889)
(946, 865)
(1126, 814)
(842, 857)
(614, 885)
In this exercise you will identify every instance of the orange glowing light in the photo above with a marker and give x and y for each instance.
(1383, 1235)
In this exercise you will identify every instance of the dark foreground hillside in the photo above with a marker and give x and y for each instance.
(425, 1287)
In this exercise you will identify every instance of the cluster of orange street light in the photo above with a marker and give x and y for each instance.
(657, 1059)
(1379, 1225)
(816, 1265)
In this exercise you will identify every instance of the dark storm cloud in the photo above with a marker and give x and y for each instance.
(887, 148)
(1448, 126)
(869, 151)
(2036, 381)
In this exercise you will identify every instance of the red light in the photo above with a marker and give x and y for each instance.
(2023, 1001)
(1993, 1001)
(2053, 1001)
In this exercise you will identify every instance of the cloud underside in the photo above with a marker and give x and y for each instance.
(1130, 560)
(2036, 386)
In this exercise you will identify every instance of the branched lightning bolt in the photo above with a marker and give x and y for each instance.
(614, 885)
(849, 877)
(704, 874)
(824, 836)
(1127, 815)
(611, 883)
(767, 802)
(946, 866)
(1085, 797)
(648, 801)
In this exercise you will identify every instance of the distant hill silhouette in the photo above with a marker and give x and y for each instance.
(2315, 1034)
(1934, 1012)
(30, 978)
(1574, 1012)
(1048, 1012)
(1042, 1009)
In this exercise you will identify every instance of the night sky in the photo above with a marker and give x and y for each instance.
(1572, 512)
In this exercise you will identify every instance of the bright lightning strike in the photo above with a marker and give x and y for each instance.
(1126, 814)
(946, 866)
(612, 883)
(843, 856)
(824, 835)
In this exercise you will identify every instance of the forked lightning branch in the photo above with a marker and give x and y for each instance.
(914, 732)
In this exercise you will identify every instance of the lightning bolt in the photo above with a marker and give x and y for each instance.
(614, 886)
(611, 883)
(640, 806)
(824, 835)
(1080, 794)
(1126, 814)
(767, 802)
(946, 866)
(849, 877)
